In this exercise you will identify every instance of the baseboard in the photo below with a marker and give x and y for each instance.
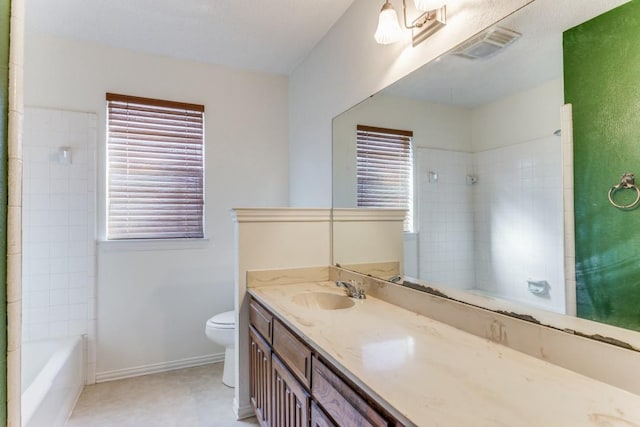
(244, 412)
(158, 367)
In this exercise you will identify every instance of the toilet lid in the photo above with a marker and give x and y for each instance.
(228, 319)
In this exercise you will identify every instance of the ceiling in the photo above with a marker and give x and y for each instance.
(533, 59)
(271, 36)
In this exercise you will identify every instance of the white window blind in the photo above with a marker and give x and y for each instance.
(155, 168)
(385, 170)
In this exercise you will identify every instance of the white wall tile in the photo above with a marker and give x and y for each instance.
(526, 210)
(78, 295)
(468, 232)
(59, 297)
(60, 249)
(59, 281)
(59, 265)
(59, 329)
(36, 331)
(38, 314)
(56, 218)
(78, 311)
(78, 248)
(58, 313)
(77, 280)
(78, 327)
(36, 299)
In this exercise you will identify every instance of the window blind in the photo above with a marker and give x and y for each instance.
(155, 168)
(385, 170)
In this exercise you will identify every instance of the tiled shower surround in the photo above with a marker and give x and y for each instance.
(499, 232)
(445, 203)
(59, 225)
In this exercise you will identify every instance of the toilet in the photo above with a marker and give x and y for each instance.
(221, 330)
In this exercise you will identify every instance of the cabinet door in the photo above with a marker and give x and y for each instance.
(318, 418)
(290, 401)
(260, 377)
(340, 401)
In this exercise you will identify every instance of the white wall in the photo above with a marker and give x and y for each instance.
(524, 116)
(433, 125)
(153, 302)
(346, 67)
(365, 236)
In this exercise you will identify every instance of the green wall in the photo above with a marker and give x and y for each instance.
(602, 81)
(4, 114)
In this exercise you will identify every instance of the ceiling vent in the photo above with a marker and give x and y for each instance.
(487, 43)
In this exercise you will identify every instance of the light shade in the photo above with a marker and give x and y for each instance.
(429, 5)
(388, 30)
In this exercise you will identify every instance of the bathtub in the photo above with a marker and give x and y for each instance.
(53, 373)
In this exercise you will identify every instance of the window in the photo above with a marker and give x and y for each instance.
(385, 170)
(155, 168)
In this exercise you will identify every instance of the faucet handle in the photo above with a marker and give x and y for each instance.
(359, 289)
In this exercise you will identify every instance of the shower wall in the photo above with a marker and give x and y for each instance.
(445, 217)
(500, 232)
(59, 225)
(518, 217)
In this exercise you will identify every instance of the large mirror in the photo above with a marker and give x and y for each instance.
(489, 176)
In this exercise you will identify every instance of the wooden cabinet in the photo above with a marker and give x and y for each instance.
(340, 401)
(261, 320)
(277, 394)
(290, 405)
(318, 418)
(293, 352)
(260, 377)
(291, 387)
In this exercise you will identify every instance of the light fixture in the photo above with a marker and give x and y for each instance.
(433, 18)
(388, 30)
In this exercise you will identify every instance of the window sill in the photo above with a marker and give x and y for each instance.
(151, 245)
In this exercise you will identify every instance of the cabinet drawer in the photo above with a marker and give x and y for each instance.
(339, 400)
(261, 320)
(293, 352)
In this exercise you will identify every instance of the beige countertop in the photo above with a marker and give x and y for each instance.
(435, 375)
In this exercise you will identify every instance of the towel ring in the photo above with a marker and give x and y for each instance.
(627, 182)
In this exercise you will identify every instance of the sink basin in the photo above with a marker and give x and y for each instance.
(323, 301)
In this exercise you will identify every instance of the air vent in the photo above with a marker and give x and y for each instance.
(487, 44)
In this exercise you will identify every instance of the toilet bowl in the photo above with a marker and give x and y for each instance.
(221, 330)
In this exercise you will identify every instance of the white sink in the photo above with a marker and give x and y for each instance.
(323, 301)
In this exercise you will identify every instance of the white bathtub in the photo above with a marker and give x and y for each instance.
(53, 373)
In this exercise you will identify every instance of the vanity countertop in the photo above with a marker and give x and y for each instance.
(432, 374)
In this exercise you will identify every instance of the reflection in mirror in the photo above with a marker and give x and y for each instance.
(492, 154)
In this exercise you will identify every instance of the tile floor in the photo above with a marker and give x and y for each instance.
(191, 397)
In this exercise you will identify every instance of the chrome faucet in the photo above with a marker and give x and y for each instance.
(353, 288)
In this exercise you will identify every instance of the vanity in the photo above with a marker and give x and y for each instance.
(496, 331)
(318, 356)
(293, 383)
